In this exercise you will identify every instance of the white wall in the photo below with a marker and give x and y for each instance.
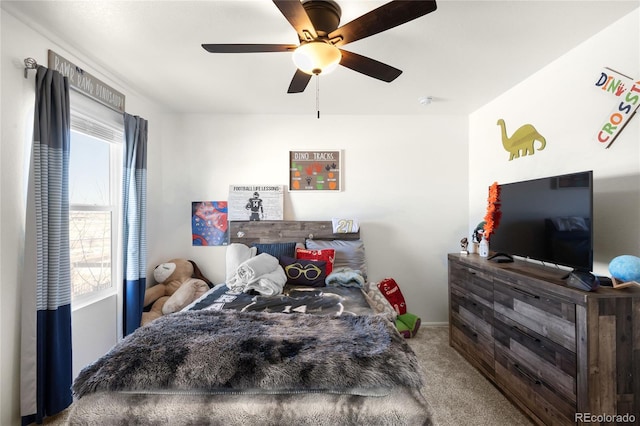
(405, 180)
(564, 105)
(19, 42)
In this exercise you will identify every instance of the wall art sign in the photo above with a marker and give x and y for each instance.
(626, 93)
(209, 225)
(256, 202)
(314, 170)
(85, 83)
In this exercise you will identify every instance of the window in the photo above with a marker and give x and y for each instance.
(95, 176)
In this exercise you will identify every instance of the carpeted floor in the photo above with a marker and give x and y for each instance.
(457, 392)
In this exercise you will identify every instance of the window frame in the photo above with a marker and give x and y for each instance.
(96, 121)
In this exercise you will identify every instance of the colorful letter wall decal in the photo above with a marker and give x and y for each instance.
(627, 100)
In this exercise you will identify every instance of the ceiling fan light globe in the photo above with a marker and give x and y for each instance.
(316, 57)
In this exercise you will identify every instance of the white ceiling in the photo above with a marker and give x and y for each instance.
(463, 55)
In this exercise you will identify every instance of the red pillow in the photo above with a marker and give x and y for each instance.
(390, 289)
(327, 255)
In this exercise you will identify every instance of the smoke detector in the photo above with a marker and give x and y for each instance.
(425, 100)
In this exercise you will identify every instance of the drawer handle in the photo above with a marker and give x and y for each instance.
(516, 329)
(527, 375)
(473, 333)
(526, 293)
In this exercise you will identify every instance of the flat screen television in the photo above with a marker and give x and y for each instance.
(548, 219)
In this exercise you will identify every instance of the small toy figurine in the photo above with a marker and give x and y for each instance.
(464, 243)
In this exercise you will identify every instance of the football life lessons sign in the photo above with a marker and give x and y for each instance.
(314, 171)
(256, 202)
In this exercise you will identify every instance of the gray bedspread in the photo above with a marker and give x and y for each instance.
(252, 366)
(403, 407)
(246, 351)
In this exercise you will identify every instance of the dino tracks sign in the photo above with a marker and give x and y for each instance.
(314, 171)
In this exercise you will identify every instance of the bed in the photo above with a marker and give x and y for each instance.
(308, 356)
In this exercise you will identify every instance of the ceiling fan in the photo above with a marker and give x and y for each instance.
(316, 22)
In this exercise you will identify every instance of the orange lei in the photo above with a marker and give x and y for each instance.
(492, 218)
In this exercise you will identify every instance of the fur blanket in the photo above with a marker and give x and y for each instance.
(217, 351)
(402, 407)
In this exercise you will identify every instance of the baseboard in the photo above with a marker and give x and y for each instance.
(434, 324)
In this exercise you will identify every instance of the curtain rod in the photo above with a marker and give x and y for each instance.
(29, 64)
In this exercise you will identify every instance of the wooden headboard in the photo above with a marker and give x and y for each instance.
(274, 231)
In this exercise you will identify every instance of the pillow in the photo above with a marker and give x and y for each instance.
(277, 249)
(328, 255)
(391, 291)
(378, 302)
(310, 273)
(349, 253)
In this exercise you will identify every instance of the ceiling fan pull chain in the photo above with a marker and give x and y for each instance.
(318, 95)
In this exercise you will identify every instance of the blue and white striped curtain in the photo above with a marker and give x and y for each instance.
(134, 196)
(46, 365)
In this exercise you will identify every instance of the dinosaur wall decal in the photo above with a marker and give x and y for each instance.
(521, 141)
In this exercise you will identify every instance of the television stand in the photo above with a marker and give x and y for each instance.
(500, 257)
(555, 351)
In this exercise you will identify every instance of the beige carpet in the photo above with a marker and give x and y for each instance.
(457, 392)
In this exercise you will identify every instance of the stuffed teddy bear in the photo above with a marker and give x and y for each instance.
(179, 282)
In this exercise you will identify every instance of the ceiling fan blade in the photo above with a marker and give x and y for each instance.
(298, 18)
(368, 66)
(248, 48)
(299, 82)
(381, 19)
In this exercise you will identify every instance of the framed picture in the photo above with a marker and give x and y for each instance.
(256, 202)
(209, 225)
(315, 171)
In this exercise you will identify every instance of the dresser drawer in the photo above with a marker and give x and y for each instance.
(471, 315)
(471, 306)
(530, 391)
(546, 316)
(472, 281)
(472, 342)
(544, 360)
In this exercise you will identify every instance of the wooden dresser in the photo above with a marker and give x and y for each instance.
(564, 356)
